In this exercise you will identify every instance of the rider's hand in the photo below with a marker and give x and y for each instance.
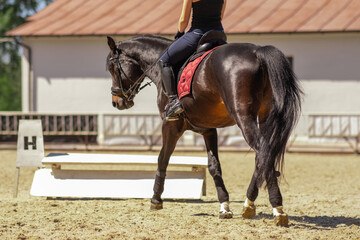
(178, 35)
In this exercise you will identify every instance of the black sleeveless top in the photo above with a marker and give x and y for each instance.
(207, 13)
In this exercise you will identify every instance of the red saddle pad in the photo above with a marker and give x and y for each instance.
(184, 85)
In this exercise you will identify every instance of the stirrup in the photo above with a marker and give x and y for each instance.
(173, 109)
(173, 115)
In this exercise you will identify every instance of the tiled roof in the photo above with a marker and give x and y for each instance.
(123, 17)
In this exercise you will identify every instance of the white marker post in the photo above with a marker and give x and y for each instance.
(30, 147)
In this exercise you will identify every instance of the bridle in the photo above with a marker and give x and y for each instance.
(134, 88)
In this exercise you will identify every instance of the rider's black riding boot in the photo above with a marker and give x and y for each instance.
(174, 107)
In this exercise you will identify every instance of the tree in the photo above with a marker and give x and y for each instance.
(12, 14)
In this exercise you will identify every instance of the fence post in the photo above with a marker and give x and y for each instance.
(100, 124)
(189, 138)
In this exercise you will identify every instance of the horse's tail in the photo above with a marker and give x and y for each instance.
(285, 112)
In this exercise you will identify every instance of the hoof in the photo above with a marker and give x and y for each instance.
(282, 220)
(249, 211)
(225, 212)
(156, 206)
(225, 215)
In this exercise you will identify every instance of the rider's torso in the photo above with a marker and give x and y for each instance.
(207, 13)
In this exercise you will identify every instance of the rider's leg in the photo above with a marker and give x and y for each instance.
(169, 85)
(175, 54)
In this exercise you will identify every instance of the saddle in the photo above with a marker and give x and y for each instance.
(207, 43)
(210, 40)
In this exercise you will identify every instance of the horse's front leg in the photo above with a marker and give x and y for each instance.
(210, 137)
(171, 132)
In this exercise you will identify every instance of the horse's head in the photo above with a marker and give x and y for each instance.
(126, 76)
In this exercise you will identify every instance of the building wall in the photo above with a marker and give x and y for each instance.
(70, 77)
(69, 73)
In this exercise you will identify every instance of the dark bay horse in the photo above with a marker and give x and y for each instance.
(238, 83)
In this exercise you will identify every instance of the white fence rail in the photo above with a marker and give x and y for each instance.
(52, 124)
(145, 129)
(111, 129)
(326, 125)
(131, 125)
(131, 128)
(346, 126)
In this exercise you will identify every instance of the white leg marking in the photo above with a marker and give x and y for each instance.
(225, 207)
(248, 203)
(281, 218)
(277, 211)
(225, 211)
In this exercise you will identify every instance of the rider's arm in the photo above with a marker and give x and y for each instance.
(223, 10)
(185, 15)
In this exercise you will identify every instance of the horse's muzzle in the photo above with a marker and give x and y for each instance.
(121, 104)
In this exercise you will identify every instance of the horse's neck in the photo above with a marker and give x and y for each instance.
(147, 51)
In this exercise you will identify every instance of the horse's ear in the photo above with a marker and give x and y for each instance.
(111, 43)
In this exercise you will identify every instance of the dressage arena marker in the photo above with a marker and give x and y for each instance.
(30, 147)
(78, 175)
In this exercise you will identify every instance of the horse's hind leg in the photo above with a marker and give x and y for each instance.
(275, 198)
(247, 121)
(249, 209)
(281, 218)
(210, 137)
(171, 132)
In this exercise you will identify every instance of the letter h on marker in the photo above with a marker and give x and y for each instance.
(27, 143)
